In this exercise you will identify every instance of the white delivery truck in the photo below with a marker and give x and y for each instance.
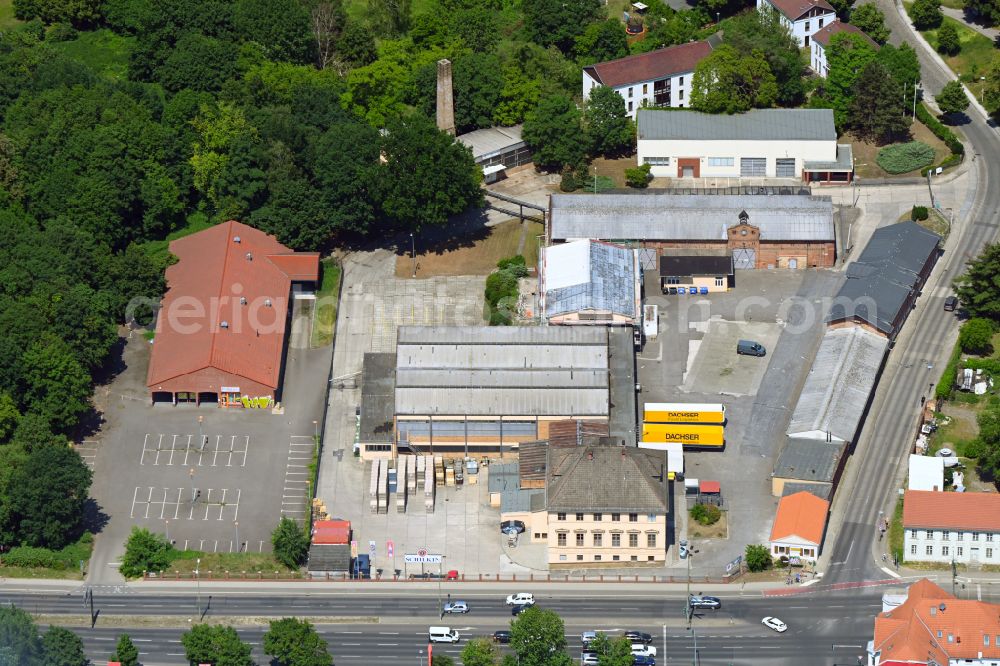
(650, 321)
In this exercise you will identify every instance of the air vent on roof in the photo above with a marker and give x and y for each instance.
(942, 607)
(225, 324)
(236, 239)
(243, 300)
(267, 302)
(249, 256)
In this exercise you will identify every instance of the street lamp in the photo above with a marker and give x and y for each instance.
(413, 253)
(236, 524)
(197, 577)
(168, 531)
(916, 84)
(191, 482)
(201, 437)
(316, 430)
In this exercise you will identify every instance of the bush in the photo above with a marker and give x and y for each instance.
(947, 39)
(947, 382)
(706, 514)
(757, 557)
(939, 129)
(145, 551)
(61, 32)
(499, 318)
(500, 284)
(975, 335)
(43, 558)
(919, 213)
(291, 545)
(568, 182)
(514, 265)
(905, 157)
(638, 176)
(926, 14)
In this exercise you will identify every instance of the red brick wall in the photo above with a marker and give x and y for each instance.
(817, 254)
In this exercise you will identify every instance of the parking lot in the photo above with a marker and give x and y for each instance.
(694, 359)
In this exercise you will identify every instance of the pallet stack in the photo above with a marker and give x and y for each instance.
(429, 483)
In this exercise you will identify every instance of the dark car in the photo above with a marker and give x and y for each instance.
(950, 303)
(502, 636)
(638, 637)
(641, 660)
(517, 609)
(705, 603)
(426, 575)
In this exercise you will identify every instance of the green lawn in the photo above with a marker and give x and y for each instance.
(953, 4)
(102, 51)
(196, 222)
(326, 304)
(7, 19)
(974, 58)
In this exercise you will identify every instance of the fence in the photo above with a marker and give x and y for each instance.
(293, 576)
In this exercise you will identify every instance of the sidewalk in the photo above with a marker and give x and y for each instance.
(959, 16)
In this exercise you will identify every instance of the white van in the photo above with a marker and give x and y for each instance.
(442, 635)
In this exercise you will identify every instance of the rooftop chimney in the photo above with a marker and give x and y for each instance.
(445, 98)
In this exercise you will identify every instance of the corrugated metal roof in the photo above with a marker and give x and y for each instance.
(809, 459)
(587, 275)
(844, 161)
(501, 356)
(688, 217)
(839, 384)
(755, 125)
(820, 490)
(520, 378)
(500, 335)
(622, 419)
(495, 401)
(492, 141)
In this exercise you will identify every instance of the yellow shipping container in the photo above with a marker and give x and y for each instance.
(678, 412)
(712, 436)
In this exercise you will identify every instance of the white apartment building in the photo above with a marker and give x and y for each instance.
(762, 143)
(821, 42)
(945, 527)
(803, 18)
(657, 78)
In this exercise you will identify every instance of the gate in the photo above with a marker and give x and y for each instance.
(647, 259)
(744, 258)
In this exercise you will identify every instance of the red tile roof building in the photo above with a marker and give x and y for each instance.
(951, 527)
(799, 525)
(821, 40)
(220, 332)
(934, 627)
(803, 18)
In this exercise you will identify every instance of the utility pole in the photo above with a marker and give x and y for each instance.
(197, 576)
(915, 84)
(413, 253)
(954, 575)
(201, 436)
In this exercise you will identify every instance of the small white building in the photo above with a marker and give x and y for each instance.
(799, 526)
(951, 527)
(821, 41)
(657, 78)
(802, 17)
(926, 473)
(762, 143)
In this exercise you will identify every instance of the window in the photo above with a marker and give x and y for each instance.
(630, 107)
(951, 638)
(785, 167)
(597, 558)
(560, 516)
(720, 282)
(946, 535)
(680, 81)
(989, 553)
(986, 640)
(615, 558)
(913, 549)
(616, 540)
(650, 517)
(807, 26)
(630, 93)
(562, 558)
(598, 517)
(579, 558)
(598, 540)
(753, 166)
(633, 540)
(680, 95)
(930, 550)
(561, 539)
(944, 551)
(930, 535)
(989, 537)
(913, 534)
(634, 558)
(721, 161)
(975, 536)
(615, 517)
(653, 161)
(579, 540)
(650, 541)
(821, 23)
(959, 551)
(579, 516)
(960, 536)
(645, 88)
(633, 517)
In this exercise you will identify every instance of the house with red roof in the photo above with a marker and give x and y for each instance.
(934, 627)
(657, 78)
(221, 328)
(799, 525)
(951, 527)
(821, 41)
(803, 18)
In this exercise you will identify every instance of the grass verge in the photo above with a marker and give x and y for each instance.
(70, 563)
(217, 565)
(325, 320)
(977, 50)
(896, 531)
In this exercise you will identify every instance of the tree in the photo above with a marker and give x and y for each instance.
(291, 545)
(608, 127)
(991, 87)
(559, 22)
(51, 491)
(442, 660)
(976, 335)
(554, 134)
(294, 642)
(926, 14)
(427, 176)
(757, 557)
(847, 56)
(947, 39)
(843, 9)
(20, 638)
(602, 41)
(978, 288)
(987, 10)
(145, 551)
(902, 64)
(327, 19)
(678, 28)
(62, 647)
(81, 13)
(538, 638)
(389, 17)
(726, 82)
(217, 645)
(764, 32)
(480, 652)
(612, 651)
(870, 19)
(9, 416)
(952, 98)
(876, 112)
(282, 27)
(196, 62)
(356, 45)
(126, 652)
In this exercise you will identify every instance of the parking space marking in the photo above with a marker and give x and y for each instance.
(294, 503)
(204, 504)
(87, 449)
(213, 450)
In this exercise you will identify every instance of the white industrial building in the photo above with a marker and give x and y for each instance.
(802, 17)
(590, 282)
(762, 143)
(821, 42)
(951, 527)
(658, 78)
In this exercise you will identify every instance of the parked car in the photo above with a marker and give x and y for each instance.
(521, 599)
(588, 637)
(501, 636)
(706, 603)
(638, 637)
(950, 303)
(425, 575)
(589, 659)
(682, 549)
(643, 650)
(774, 623)
(640, 660)
(750, 348)
(452, 575)
(456, 607)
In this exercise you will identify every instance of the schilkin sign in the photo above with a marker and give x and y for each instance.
(422, 557)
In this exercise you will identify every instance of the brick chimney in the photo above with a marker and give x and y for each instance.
(445, 98)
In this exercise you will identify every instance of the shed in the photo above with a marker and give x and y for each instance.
(331, 532)
(807, 461)
(329, 559)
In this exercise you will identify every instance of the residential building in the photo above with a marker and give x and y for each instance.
(951, 527)
(696, 274)
(935, 628)
(221, 328)
(808, 461)
(883, 284)
(799, 525)
(658, 78)
(777, 231)
(796, 144)
(821, 42)
(925, 473)
(590, 283)
(803, 18)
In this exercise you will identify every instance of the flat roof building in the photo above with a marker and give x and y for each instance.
(808, 461)
(699, 272)
(590, 283)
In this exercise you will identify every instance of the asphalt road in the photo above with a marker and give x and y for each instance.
(824, 629)
(891, 426)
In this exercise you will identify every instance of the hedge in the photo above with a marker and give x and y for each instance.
(939, 130)
(43, 558)
(903, 157)
(946, 384)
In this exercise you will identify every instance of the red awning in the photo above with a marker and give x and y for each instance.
(710, 487)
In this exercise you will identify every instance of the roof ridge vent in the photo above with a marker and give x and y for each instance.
(224, 324)
(237, 239)
(249, 256)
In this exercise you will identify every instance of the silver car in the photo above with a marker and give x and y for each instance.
(456, 607)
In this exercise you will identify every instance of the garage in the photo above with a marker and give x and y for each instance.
(785, 167)
(753, 167)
